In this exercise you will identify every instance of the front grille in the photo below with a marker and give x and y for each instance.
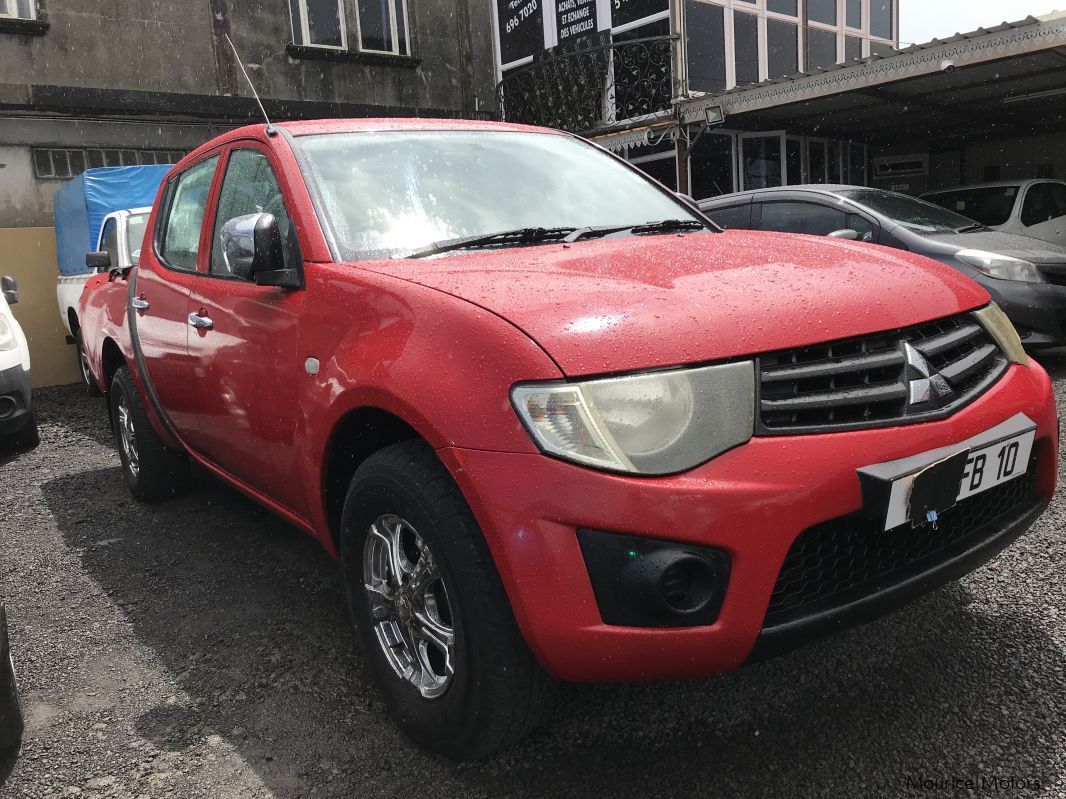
(865, 382)
(1056, 274)
(835, 562)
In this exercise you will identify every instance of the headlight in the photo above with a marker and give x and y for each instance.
(997, 323)
(655, 423)
(1002, 266)
(7, 335)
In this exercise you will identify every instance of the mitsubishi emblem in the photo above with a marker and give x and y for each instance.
(925, 383)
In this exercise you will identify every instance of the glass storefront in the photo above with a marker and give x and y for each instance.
(723, 162)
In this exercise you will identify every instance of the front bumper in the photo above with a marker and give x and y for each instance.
(1038, 310)
(15, 400)
(751, 503)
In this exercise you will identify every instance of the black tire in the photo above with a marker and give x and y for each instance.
(83, 368)
(27, 438)
(10, 709)
(153, 470)
(498, 692)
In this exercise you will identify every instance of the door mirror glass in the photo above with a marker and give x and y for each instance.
(252, 249)
(10, 288)
(850, 235)
(98, 260)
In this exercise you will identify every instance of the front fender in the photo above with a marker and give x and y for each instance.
(442, 364)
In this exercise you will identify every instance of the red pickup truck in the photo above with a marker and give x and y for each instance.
(553, 422)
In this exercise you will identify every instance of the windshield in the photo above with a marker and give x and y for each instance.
(989, 205)
(916, 215)
(135, 235)
(389, 194)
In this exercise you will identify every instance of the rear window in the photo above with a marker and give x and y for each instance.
(990, 206)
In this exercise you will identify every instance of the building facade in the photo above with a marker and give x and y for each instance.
(116, 83)
(101, 84)
(601, 66)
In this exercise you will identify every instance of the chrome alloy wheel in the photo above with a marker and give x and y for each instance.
(409, 605)
(127, 436)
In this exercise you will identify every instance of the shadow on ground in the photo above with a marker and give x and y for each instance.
(248, 616)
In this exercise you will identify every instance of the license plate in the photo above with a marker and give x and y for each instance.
(917, 489)
(989, 467)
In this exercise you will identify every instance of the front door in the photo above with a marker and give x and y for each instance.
(160, 293)
(1043, 213)
(245, 366)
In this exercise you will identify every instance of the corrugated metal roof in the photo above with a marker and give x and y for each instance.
(912, 61)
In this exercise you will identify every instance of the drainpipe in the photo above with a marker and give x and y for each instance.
(679, 51)
(679, 89)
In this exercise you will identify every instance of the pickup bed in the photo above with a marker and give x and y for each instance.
(552, 421)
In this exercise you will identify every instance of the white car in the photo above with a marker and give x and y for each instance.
(18, 427)
(1034, 208)
(120, 238)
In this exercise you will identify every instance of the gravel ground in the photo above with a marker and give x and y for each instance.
(201, 648)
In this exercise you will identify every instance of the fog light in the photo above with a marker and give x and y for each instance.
(645, 582)
(7, 406)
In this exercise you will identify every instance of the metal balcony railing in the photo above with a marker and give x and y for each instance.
(583, 90)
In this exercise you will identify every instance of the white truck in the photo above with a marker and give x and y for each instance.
(100, 212)
(120, 240)
(18, 425)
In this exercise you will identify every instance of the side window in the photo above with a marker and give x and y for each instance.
(864, 227)
(185, 215)
(250, 187)
(1043, 202)
(731, 217)
(109, 240)
(800, 217)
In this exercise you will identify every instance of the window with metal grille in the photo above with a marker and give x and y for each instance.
(65, 163)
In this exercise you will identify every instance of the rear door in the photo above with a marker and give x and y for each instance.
(246, 367)
(160, 292)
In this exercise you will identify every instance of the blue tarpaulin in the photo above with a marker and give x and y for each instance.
(82, 204)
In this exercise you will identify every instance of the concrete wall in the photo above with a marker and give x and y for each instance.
(27, 202)
(29, 256)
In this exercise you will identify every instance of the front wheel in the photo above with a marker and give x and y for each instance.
(153, 470)
(10, 709)
(430, 610)
(27, 438)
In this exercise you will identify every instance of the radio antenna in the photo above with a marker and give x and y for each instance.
(270, 129)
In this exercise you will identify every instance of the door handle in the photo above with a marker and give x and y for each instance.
(139, 304)
(200, 321)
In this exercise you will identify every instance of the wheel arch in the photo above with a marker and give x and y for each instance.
(357, 435)
(111, 360)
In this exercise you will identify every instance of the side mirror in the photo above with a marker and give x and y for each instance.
(848, 234)
(10, 288)
(252, 249)
(98, 260)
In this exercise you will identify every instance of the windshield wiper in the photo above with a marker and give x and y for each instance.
(526, 235)
(643, 229)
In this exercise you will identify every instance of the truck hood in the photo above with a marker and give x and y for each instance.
(630, 303)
